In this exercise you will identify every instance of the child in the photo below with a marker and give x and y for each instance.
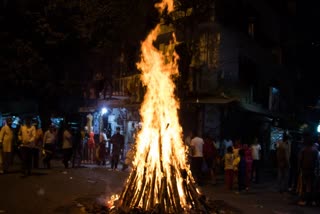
(228, 167)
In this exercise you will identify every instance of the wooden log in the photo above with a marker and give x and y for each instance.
(162, 194)
(187, 193)
(174, 189)
(145, 196)
(194, 195)
(171, 200)
(128, 186)
(139, 195)
(167, 199)
(153, 188)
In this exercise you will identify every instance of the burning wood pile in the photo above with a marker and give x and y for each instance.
(161, 180)
(167, 200)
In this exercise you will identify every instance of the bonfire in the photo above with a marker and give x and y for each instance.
(161, 180)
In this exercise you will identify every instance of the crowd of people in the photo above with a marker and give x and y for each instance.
(299, 168)
(33, 146)
(298, 164)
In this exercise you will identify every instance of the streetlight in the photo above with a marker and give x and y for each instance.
(104, 110)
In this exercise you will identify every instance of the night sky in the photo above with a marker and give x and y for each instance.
(308, 22)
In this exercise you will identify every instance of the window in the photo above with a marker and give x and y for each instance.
(251, 30)
(274, 99)
(209, 45)
(251, 27)
(277, 55)
(292, 7)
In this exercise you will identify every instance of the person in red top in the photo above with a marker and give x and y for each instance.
(248, 158)
(209, 154)
(91, 147)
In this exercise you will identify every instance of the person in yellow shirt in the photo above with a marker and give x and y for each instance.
(27, 134)
(229, 167)
(6, 139)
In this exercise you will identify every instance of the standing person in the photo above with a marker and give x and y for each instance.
(67, 146)
(242, 171)
(296, 147)
(228, 167)
(317, 177)
(210, 154)
(49, 145)
(38, 144)
(196, 145)
(91, 146)
(77, 148)
(235, 149)
(283, 163)
(308, 161)
(256, 156)
(84, 142)
(102, 148)
(16, 144)
(248, 157)
(6, 141)
(187, 142)
(27, 136)
(117, 141)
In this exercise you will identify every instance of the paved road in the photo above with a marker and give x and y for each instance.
(52, 191)
(260, 199)
(65, 191)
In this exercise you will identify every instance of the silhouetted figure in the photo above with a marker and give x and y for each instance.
(49, 145)
(27, 136)
(6, 141)
(117, 141)
(67, 142)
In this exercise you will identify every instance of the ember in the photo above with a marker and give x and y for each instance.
(161, 180)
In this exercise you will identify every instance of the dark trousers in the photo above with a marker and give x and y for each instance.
(115, 160)
(6, 156)
(255, 172)
(16, 152)
(308, 177)
(293, 178)
(241, 180)
(102, 154)
(283, 179)
(26, 155)
(49, 151)
(67, 154)
(77, 156)
(196, 165)
(229, 178)
(317, 190)
(35, 157)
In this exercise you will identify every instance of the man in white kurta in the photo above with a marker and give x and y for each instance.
(197, 157)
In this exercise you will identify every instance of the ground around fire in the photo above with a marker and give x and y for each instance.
(85, 189)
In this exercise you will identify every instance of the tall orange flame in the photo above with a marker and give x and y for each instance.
(160, 173)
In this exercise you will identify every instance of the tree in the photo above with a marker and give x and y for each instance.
(50, 44)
